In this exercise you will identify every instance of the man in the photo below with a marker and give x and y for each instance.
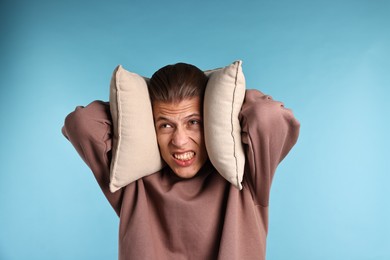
(187, 210)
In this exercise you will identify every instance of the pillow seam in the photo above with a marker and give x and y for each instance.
(119, 124)
(232, 126)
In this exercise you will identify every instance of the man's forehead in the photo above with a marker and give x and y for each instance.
(183, 108)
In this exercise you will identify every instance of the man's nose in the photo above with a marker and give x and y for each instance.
(180, 137)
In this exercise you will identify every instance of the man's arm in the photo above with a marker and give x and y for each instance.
(89, 130)
(269, 131)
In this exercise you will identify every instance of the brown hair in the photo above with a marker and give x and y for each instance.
(176, 82)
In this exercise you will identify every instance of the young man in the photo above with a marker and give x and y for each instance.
(187, 210)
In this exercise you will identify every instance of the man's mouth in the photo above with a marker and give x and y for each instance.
(184, 156)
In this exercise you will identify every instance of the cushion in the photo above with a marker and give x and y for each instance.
(135, 152)
(223, 100)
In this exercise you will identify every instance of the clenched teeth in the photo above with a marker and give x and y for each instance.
(184, 156)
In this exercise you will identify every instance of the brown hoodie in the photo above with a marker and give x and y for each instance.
(165, 217)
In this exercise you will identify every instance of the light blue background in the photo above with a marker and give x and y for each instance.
(327, 60)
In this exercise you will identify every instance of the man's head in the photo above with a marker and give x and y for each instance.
(176, 93)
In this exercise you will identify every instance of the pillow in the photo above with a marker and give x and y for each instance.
(223, 100)
(135, 144)
(135, 152)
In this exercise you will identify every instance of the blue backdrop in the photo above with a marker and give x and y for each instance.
(327, 60)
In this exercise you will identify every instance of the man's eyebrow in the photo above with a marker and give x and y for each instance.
(163, 118)
(192, 115)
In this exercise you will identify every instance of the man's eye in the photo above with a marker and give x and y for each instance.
(165, 126)
(194, 122)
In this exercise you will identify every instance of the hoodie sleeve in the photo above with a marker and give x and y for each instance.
(269, 131)
(89, 129)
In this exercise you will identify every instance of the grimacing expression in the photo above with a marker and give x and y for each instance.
(179, 130)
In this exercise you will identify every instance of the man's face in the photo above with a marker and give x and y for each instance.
(179, 129)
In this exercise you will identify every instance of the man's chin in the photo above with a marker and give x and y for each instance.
(185, 174)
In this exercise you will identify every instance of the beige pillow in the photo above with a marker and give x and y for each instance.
(135, 152)
(223, 100)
